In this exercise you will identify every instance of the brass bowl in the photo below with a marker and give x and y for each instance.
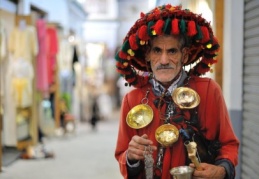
(167, 134)
(182, 172)
(139, 116)
(186, 98)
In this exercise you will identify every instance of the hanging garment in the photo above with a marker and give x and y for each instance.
(3, 42)
(22, 74)
(9, 122)
(74, 62)
(52, 50)
(23, 43)
(3, 56)
(41, 63)
(65, 57)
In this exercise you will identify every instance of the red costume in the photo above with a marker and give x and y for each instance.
(213, 118)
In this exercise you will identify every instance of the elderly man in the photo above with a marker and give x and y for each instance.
(172, 106)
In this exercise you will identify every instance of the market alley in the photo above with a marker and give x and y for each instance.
(86, 155)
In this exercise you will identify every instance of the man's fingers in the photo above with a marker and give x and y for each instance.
(138, 146)
(143, 140)
(144, 136)
(135, 154)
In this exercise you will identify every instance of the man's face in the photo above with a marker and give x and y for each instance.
(166, 58)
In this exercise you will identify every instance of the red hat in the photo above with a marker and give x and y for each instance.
(166, 20)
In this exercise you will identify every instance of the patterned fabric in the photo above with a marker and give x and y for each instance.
(158, 89)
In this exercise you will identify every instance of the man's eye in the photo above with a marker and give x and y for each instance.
(172, 51)
(156, 50)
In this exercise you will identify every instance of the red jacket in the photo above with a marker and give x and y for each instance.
(212, 113)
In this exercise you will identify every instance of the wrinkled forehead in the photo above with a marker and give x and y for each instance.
(173, 40)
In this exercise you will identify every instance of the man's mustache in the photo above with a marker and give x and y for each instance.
(160, 67)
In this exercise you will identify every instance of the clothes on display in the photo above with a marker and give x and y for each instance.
(22, 75)
(3, 41)
(23, 43)
(41, 63)
(29, 76)
(65, 65)
(22, 48)
(52, 50)
(3, 56)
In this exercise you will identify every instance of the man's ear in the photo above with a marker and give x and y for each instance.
(185, 55)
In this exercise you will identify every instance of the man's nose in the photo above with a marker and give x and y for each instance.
(164, 58)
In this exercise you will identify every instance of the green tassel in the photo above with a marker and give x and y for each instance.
(117, 56)
(125, 46)
(183, 26)
(149, 25)
(199, 34)
(167, 26)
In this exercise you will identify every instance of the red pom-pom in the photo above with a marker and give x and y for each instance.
(120, 65)
(209, 61)
(133, 42)
(168, 6)
(191, 28)
(158, 27)
(123, 72)
(205, 34)
(142, 15)
(143, 33)
(123, 55)
(175, 27)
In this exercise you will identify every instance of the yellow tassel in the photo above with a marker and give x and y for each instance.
(209, 46)
(131, 52)
(171, 9)
(142, 42)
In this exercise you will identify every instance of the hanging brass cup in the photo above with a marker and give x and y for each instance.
(139, 116)
(167, 134)
(186, 98)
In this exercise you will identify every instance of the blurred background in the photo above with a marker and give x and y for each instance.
(60, 93)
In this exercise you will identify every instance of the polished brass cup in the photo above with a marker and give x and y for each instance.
(139, 116)
(185, 98)
(167, 134)
(182, 172)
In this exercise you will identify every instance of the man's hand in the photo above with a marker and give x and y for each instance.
(137, 146)
(209, 171)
